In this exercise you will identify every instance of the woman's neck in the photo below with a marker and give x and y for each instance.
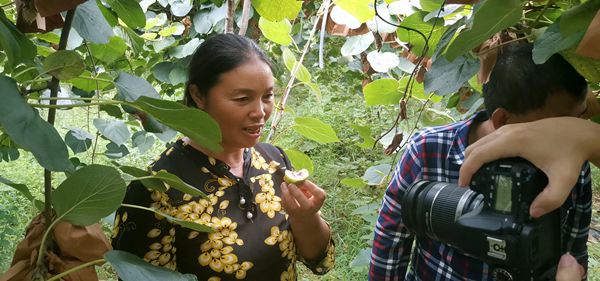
(232, 157)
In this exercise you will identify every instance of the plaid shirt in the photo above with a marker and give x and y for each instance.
(436, 154)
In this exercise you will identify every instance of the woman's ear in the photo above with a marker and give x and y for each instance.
(500, 117)
(198, 98)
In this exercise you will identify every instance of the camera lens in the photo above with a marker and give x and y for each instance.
(431, 208)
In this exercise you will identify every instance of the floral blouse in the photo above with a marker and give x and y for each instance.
(252, 238)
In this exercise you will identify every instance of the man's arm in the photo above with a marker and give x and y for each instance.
(392, 242)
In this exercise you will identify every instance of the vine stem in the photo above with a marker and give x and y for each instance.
(281, 106)
(54, 85)
(54, 106)
(74, 269)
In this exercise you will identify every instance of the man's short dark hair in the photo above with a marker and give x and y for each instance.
(519, 85)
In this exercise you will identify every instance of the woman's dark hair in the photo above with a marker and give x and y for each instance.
(519, 85)
(217, 55)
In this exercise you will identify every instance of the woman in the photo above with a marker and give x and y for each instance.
(262, 225)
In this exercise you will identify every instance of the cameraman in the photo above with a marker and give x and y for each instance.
(518, 91)
(537, 142)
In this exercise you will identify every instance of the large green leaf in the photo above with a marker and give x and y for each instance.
(185, 50)
(86, 81)
(415, 21)
(578, 18)
(131, 87)
(78, 140)
(376, 175)
(114, 130)
(353, 182)
(64, 64)
(290, 61)
(175, 182)
(130, 267)
(91, 24)
(446, 77)
(181, 8)
(17, 47)
(276, 31)
(357, 44)
(492, 17)
(129, 11)
(552, 41)
(152, 183)
(143, 141)
(315, 129)
(360, 9)
(19, 187)
(277, 10)
(382, 92)
(108, 53)
(300, 160)
(194, 123)
(26, 128)
(89, 194)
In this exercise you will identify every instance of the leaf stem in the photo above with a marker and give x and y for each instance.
(71, 270)
(53, 106)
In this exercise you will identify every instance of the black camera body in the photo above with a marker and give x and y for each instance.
(490, 221)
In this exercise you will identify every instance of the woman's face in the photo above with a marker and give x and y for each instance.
(240, 102)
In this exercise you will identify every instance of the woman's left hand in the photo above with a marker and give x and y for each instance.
(302, 200)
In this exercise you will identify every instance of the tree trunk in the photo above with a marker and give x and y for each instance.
(245, 17)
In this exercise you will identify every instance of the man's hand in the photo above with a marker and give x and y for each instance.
(568, 269)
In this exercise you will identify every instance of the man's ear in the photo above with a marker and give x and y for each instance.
(198, 98)
(499, 117)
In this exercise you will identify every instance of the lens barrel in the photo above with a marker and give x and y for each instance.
(431, 208)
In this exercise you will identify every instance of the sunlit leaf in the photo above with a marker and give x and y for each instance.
(382, 92)
(185, 50)
(277, 10)
(181, 8)
(360, 9)
(382, 61)
(357, 44)
(64, 64)
(341, 16)
(300, 160)
(315, 129)
(26, 128)
(114, 50)
(129, 11)
(365, 133)
(415, 21)
(290, 61)
(490, 18)
(86, 81)
(353, 182)
(278, 32)
(89, 194)
(578, 18)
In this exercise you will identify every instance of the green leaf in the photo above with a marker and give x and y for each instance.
(365, 133)
(552, 42)
(181, 8)
(300, 160)
(430, 5)
(360, 9)
(89, 194)
(315, 129)
(19, 187)
(357, 44)
(131, 87)
(442, 44)
(64, 65)
(185, 50)
(110, 16)
(578, 18)
(314, 88)
(152, 183)
(193, 123)
(108, 53)
(277, 10)
(86, 81)
(447, 77)
(18, 48)
(91, 24)
(142, 141)
(415, 21)
(376, 175)
(162, 70)
(115, 151)
(492, 17)
(26, 128)
(276, 31)
(178, 75)
(290, 61)
(130, 267)
(362, 259)
(114, 130)
(174, 181)
(78, 140)
(129, 11)
(135, 41)
(353, 182)
(382, 92)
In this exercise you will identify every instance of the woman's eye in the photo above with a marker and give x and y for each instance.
(241, 99)
(269, 96)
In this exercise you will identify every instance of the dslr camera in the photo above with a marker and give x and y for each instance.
(490, 220)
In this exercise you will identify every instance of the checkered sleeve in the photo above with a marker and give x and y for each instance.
(576, 227)
(392, 242)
